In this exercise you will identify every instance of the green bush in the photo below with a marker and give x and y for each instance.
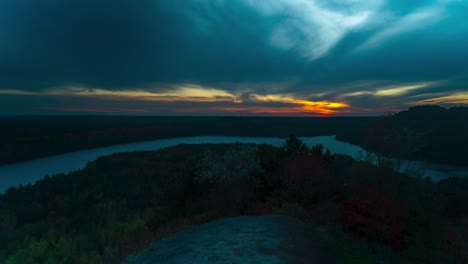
(230, 177)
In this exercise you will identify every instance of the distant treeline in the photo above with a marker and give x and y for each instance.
(431, 133)
(30, 137)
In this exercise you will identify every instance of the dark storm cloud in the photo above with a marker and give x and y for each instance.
(131, 44)
(355, 51)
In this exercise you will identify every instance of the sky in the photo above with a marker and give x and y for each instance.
(231, 57)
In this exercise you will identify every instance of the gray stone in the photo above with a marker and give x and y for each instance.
(246, 239)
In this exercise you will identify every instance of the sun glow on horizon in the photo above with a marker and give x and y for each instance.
(209, 99)
(307, 106)
(196, 99)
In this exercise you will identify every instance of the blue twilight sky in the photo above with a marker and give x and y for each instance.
(231, 57)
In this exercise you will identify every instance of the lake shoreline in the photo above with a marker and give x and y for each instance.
(29, 172)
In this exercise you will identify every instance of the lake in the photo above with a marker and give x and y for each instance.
(34, 170)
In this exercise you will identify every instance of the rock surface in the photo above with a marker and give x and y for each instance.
(247, 239)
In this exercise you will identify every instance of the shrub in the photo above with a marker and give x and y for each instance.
(271, 176)
(308, 179)
(455, 241)
(238, 162)
(293, 146)
(374, 216)
(454, 197)
(229, 178)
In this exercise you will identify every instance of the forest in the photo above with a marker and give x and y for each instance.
(29, 137)
(119, 204)
(428, 133)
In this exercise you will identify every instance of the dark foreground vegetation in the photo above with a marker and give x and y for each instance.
(119, 204)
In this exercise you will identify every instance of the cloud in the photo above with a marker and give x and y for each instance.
(453, 98)
(186, 92)
(390, 90)
(239, 56)
(311, 27)
(317, 107)
(416, 20)
(397, 91)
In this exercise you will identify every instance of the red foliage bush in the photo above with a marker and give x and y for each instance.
(373, 215)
